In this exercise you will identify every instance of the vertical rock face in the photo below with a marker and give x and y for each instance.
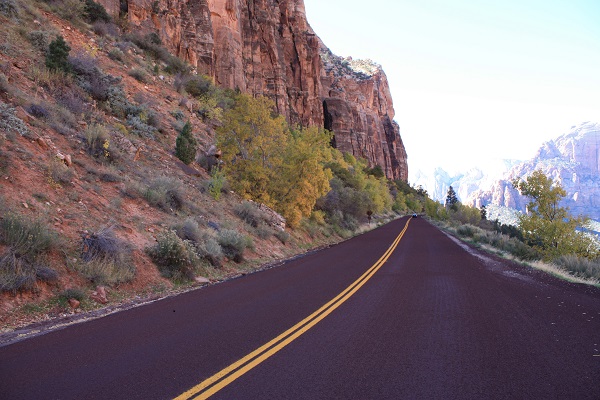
(358, 109)
(267, 47)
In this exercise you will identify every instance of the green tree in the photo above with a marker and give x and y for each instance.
(483, 212)
(57, 58)
(451, 198)
(93, 12)
(185, 144)
(548, 226)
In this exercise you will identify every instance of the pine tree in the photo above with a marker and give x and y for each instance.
(58, 55)
(451, 198)
(483, 212)
(185, 144)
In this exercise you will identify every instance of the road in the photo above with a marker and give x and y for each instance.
(430, 320)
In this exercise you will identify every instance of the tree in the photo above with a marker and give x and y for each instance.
(253, 140)
(185, 144)
(267, 162)
(451, 198)
(548, 226)
(483, 212)
(302, 177)
(93, 12)
(57, 57)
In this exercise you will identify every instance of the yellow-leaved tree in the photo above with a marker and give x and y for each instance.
(303, 178)
(252, 139)
(267, 162)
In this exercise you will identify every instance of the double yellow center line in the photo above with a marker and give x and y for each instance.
(226, 376)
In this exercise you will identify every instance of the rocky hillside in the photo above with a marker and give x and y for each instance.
(572, 159)
(96, 208)
(267, 47)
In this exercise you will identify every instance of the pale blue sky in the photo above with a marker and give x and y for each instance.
(476, 81)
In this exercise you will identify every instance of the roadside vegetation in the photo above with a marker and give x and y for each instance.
(548, 237)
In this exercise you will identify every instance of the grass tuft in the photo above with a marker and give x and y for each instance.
(106, 258)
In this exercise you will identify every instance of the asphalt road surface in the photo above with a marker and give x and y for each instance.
(429, 320)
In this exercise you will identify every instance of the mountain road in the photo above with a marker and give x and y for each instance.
(401, 312)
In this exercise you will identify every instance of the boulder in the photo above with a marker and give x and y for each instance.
(74, 303)
(100, 295)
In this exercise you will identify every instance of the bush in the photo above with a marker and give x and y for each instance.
(39, 40)
(98, 141)
(283, 236)
(57, 58)
(9, 8)
(140, 127)
(75, 102)
(93, 12)
(165, 193)
(38, 111)
(185, 144)
(197, 86)
(72, 293)
(27, 238)
(59, 173)
(27, 241)
(9, 122)
(205, 242)
(176, 258)
(106, 259)
(105, 29)
(138, 74)
(466, 230)
(580, 266)
(250, 214)
(18, 274)
(116, 54)
(233, 244)
(216, 184)
(175, 65)
(263, 231)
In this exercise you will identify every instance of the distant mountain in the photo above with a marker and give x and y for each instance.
(572, 159)
(464, 184)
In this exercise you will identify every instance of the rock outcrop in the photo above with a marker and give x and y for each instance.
(573, 160)
(358, 108)
(267, 47)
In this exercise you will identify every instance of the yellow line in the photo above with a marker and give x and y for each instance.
(229, 374)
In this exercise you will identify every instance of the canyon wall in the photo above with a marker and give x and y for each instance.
(267, 47)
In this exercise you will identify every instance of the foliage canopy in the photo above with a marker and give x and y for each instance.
(548, 226)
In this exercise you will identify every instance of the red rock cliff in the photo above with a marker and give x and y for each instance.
(267, 47)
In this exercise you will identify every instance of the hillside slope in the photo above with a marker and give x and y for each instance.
(87, 167)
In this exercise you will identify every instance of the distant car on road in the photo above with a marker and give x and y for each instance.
(415, 215)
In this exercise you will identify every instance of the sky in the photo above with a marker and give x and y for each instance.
(474, 82)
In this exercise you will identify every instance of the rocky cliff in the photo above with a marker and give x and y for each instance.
(267, 47)
(572, 159)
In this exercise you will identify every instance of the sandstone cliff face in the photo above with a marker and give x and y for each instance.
(573, 160)
(267, 47)
(358, 109)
